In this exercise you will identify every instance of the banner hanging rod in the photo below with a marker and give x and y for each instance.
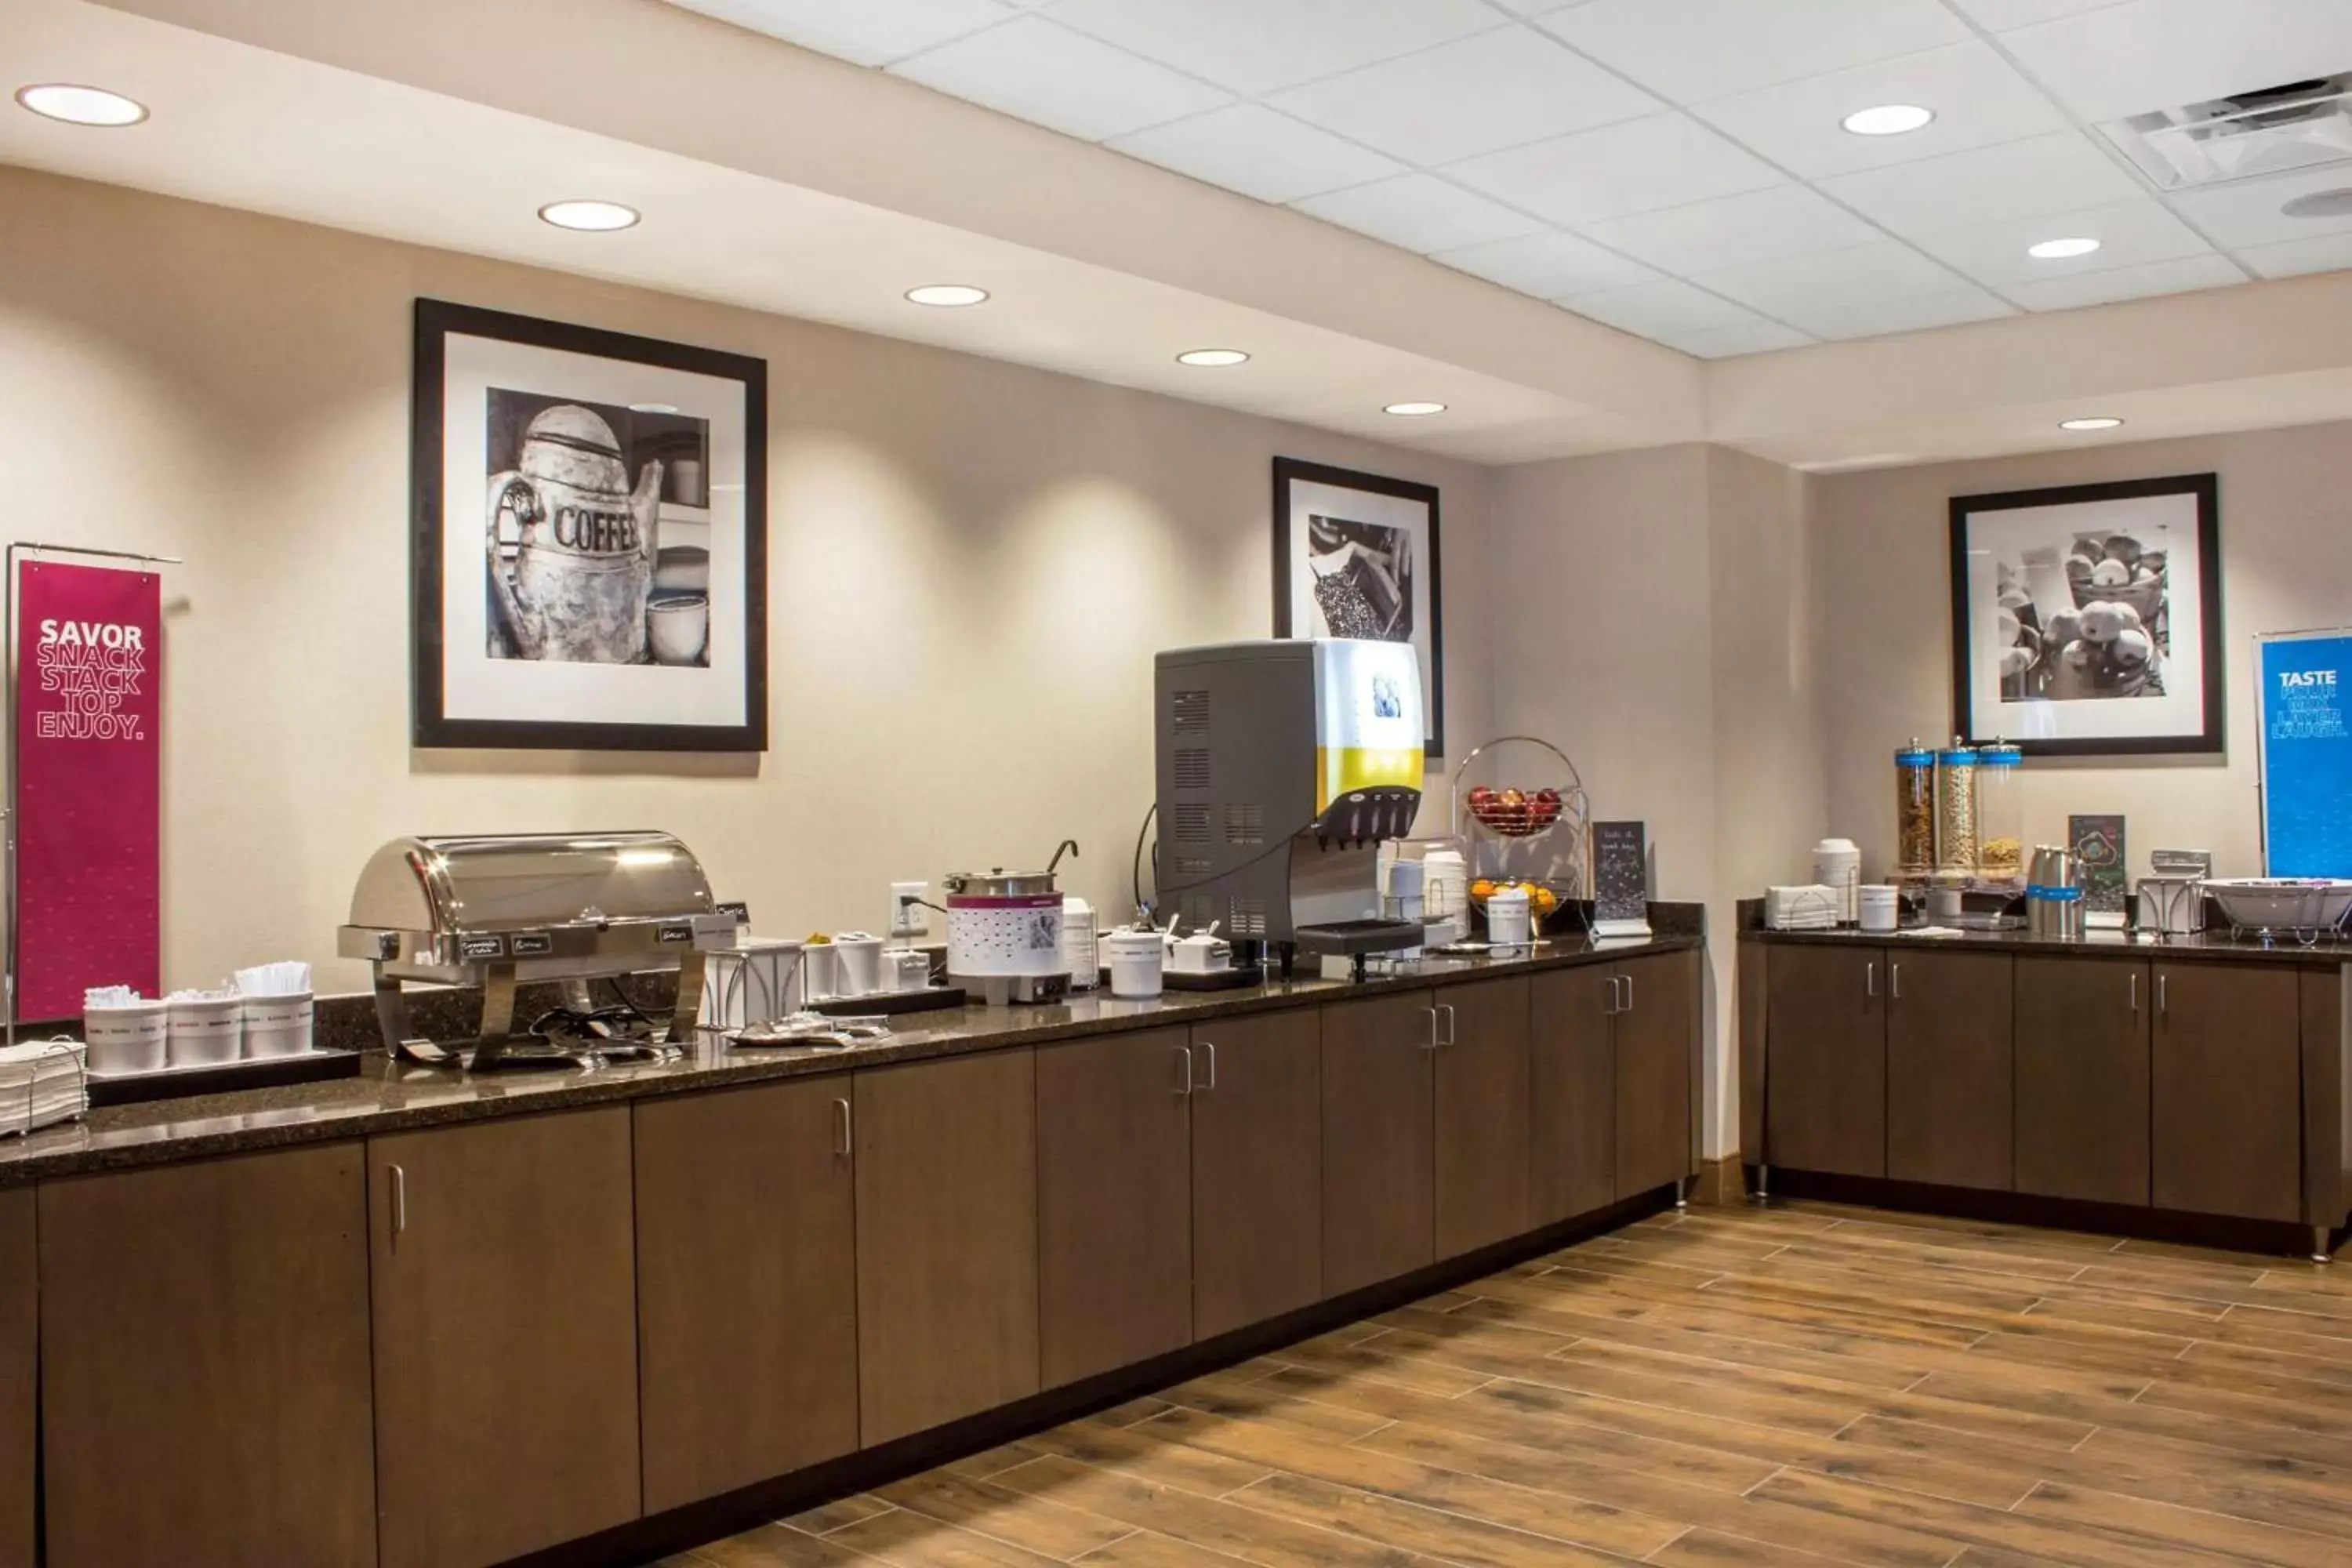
(38, 549)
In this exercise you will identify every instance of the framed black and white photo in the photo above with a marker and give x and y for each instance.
(589, 558)
(2086, 621)
(1355, 555)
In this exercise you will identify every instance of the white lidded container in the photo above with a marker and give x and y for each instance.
(1837, 866)
(1509, 920)
(1881, 905)
(859, 955)
(129, 1039)
(1134, 958)
(277, 1025)
(204, 1031)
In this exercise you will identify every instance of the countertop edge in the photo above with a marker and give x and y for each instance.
(136, 1136)
(2099, 944)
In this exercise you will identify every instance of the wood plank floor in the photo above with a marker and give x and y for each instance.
(1801, 1384)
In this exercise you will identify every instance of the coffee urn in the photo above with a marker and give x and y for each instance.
(2053, 894)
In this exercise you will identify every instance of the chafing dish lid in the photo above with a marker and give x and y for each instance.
(515, 881)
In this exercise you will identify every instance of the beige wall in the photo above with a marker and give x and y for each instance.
(1652, 620)
(971, 565)
(1885, 650)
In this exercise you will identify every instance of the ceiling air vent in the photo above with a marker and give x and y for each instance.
(2270, 130)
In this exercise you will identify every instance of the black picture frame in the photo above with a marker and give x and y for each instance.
(1288, 472)
(2210, 738)
(436, 321)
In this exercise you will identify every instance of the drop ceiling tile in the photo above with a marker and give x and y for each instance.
(2058, 172)
(1538, 7)
(1249, 147)
(2130, 235)
(1979, 99)
(1640, 165)
(1656, 309)
(1063, 80)
(1257, 47)
(2322, 252)
(1728, 342)
(1499, 88)
(2000, 16)
(1884, 269)
(1917, 314)
(1755, 225)
(1419, 212)
(856, 30)
(2127, 283)
(1696, 50)
(2153, 54)
(2247, 213)
(1549, 265)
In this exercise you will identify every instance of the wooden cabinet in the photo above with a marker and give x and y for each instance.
(1950, 1069)
(1114, 1202)
(2226, 1072)
(19, 1379)
(1571, 1094)
(1257, 1110)
(2082, 1079)
(947, 1240)
(747, 1285)
(1655, 1028)
(205, 1381)
(1378, 1127)
(503, 1279)
(1481, 1087)
(1825, 1078)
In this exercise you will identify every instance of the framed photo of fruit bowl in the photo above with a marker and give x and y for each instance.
(2086, 620)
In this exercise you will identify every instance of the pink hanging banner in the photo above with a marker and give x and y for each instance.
(89, 784)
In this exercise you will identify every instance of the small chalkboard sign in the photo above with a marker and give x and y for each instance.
(2099, 843)
(1621, 880)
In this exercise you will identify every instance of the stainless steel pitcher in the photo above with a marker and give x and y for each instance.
(2053, 894)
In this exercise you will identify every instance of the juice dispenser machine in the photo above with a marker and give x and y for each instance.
(1282, 765)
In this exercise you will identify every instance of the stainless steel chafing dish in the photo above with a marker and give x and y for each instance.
(501, 909)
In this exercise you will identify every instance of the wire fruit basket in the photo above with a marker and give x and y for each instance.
(1521, 813)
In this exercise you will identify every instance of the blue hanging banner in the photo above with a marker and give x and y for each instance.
(2307, 754)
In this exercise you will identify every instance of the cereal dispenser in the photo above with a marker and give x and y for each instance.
(1915, 812)
(2001, 815)
(1956, 813)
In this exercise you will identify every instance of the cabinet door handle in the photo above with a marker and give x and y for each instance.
(399, 1203)
(1210, 1049)
(844, 1141)
(1895, 979)
(1609, 1005)
(1186, 1053)
(2134, 978)
(1869, 978)
(2159, 996)
(1627, 980)
(1450, 1036)
(1433, 1042)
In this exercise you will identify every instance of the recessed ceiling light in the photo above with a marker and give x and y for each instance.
(1887, 120)
(653, 408)
(2337, 203)
(592, 217)
(80, 105)
(2098, 422)
(947, 294)
(1213, 357)
(1413, 410)
(2060, 249)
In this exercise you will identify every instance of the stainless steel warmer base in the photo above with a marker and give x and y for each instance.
(1012, 990)
(496, 1046)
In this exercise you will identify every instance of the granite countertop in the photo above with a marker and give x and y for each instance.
(390, 1095)
(2212, 946)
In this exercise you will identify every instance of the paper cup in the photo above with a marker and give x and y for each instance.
(125, 1039)
(277, 1025)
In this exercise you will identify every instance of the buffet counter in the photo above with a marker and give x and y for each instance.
(423, 1321)
(2194, 1085)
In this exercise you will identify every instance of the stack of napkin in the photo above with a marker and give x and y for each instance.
(1810, 907)
(42, 1082)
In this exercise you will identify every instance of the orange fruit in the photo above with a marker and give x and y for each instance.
(1482, 888)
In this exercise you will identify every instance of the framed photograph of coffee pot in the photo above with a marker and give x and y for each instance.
(588, 560)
